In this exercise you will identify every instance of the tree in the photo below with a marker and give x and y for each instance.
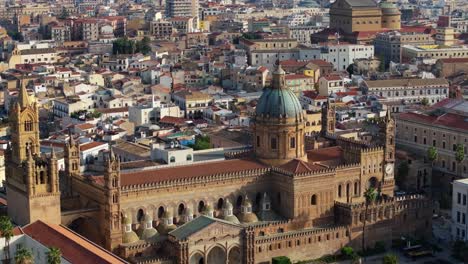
(144, 46)
(54, 256)
(459, 153)
(432, 154)
(280, 260)
(23, 256)
(201, 142)
(6, 228)
(349, 253)
(64, 14)
(370, 195)
(425, 101)
(390, 259)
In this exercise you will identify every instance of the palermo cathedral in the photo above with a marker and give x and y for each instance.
(291, 194)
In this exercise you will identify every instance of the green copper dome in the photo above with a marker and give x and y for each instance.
(278, 103)
(308, 4)
(389, 8)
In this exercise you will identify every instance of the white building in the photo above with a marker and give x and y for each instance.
(172, 153)
(331, 85)
(408, 90)
(459, 210)
(342, 55)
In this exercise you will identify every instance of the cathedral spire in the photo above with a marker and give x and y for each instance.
(23, 97)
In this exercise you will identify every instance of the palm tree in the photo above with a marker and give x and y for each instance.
(54, 256)
(370, 195)
(23, 256)
(6, 229)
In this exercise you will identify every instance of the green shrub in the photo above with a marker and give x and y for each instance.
(347, 252)
(379, 247)
(281, 260)
(328, 258)
(390, 259)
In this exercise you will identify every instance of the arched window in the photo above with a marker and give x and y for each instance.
(356, 191)
(220, 203)
(279, 198)
(172, 159)
(239, 200)
(339, 190)
(181, 209)
(28, 125)
(189, 157)
(140, 215)
(313, 200)
(41, 177)
(160, 211)
(201, 205)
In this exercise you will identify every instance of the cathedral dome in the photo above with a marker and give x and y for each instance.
(389, 8)
(308, 4)
(278, 103)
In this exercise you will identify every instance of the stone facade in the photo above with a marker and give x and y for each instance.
(255, 205)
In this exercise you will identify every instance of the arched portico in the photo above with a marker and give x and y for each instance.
(217, 255)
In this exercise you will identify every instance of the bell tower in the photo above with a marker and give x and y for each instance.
(32, 180)
(112, 215)
(328, 118)
(389, 154)
(72, 163)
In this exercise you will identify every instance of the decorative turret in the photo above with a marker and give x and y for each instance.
(146, 230)
(228, 213)
(265, 213)
(328, 118)
(391, 16)
(167, 223)
(208, 211)
(247, 215)
(129, 236)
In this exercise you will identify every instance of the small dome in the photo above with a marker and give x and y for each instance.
(389, 8)
(167, 214)
(246, 202)
(248, 218)
(130, 237)
(126, 220)
(148, 233)
(208, 208)
(265, 199)
(308, 4)
(164, 229)
(228, 205)
(232, 219)
(278, 103)
(147, 218)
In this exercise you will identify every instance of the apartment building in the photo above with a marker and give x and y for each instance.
(388, 45)
(460, 210)
(299, 82)
(192, 103)
(182, 8)
(443, 127)
(342, 55)
(161, 29)
(408, 90)
(331, 85)
(409, 52)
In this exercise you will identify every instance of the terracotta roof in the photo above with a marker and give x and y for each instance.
(447, 120)
(85, 126)
(321, 62)
(405, 82)
(112, 110)
(300, 166)
(91, 145)
(73, 247)
(297, 76)
(454, 60)
(189, 171)
(172, 120)
(325, 154)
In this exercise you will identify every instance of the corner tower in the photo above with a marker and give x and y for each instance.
(32, 181)
(279, 123)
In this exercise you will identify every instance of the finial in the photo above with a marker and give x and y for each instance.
(23, 97)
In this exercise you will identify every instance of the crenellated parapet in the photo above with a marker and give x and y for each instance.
(239, 154)
(196, 180)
